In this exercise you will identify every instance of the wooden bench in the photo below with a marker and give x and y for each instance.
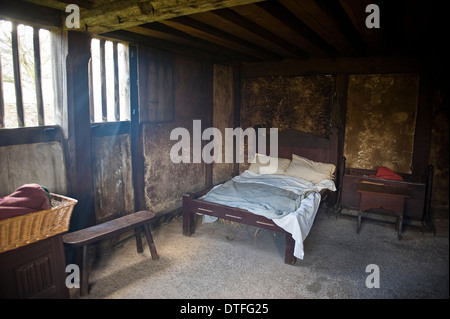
(385, 197)
(84, 237)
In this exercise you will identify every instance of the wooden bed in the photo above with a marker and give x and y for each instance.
(290, 142)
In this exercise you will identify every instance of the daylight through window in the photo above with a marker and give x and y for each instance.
(109, 81)
(26, 84)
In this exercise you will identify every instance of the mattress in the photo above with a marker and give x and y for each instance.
(290, 202)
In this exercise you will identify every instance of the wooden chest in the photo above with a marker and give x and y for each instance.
(35, 270)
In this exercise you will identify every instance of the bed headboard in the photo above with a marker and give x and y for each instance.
(316, 148)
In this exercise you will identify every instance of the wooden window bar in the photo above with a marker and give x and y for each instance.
(17, 75)
(91, 92)
(38, 77)
(116, 83)
(2, 103)
(103, 80)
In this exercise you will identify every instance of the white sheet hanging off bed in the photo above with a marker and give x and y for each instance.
(291, 203)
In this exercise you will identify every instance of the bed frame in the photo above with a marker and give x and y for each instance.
(290, 142)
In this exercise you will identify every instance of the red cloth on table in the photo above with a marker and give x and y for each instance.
(387, 173)
(28, 198)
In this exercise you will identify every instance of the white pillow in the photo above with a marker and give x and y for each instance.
(309, 170)
(260, 168)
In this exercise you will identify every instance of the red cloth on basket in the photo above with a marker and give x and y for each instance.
(387, 173)
(28, 198)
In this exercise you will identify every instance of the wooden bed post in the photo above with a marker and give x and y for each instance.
(188, 215)
(334, 159)
(340, 181)
(334, 146)
(289, 257)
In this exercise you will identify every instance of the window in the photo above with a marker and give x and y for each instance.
(26, 84)
(109, 81)
(26, 78)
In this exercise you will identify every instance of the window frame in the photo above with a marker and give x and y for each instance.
(17, 75)
(117, 85)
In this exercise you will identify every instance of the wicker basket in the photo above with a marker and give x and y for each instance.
(22, 230)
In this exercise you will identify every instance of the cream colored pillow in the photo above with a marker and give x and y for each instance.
(309, 170)
(260, 168)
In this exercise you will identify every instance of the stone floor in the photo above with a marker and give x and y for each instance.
(229, 261)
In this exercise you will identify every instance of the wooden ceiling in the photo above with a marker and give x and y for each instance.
(255, 30)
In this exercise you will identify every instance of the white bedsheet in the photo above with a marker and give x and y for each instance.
(300, 221)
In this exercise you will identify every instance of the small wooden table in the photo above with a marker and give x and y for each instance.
(383, 197)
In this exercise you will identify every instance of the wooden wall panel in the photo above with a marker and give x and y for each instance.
(165, 181)
(155, 85)
(111, 157)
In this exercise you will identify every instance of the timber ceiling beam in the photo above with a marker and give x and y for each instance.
(173, 47)
(31, 14)
(283, 14)
(373, 37)
(337, 14)
(160, 31)
(119, 14)
(219, 37)
(262, 35)
(62, 4)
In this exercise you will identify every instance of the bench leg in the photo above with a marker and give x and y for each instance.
(399, 227)
(139, 247)
(84, 282)
(151, 244)
(358, 226)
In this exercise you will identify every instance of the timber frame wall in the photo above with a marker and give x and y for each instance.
(71, 59)
(342, 68)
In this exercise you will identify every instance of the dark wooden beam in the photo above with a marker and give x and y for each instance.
(120, 14)
(283, 14)
(207, 91)
(62, 4)
(137, 148)
(217, 36)
(186, 50)
(337, 14)
(363, 65)
(182, 41)
(79, 156)
(30, 135)
(339, 110)
(310, 14)
(422, 134)
(392, 15)
(110, 128)
(237, 105)
(373, 37)
(267, 21)
(258, 34)
(30, 14)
